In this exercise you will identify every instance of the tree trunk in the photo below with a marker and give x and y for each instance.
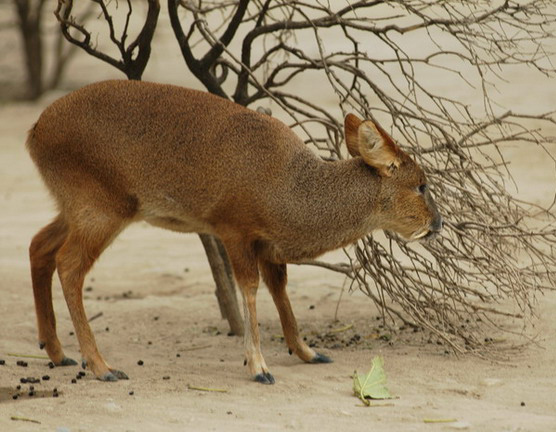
(29, 14)
(223, 278)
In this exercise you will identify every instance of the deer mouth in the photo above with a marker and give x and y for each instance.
(424, 235)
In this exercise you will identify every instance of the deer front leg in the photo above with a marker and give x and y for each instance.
(244, 264)
(276, 277)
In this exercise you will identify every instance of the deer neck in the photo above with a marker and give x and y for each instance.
(331, 204)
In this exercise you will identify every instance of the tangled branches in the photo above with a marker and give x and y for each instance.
(366, 58)
(313, 62)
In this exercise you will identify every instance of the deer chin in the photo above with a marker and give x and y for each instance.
(421, 234)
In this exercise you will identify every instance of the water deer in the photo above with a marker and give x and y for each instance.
(117, 152)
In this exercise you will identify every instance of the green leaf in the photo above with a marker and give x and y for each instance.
(373, 384)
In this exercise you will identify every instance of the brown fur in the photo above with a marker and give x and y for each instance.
(121, 151)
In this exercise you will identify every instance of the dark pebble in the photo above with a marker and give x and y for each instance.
(51, 365)
(107, 328)
(23, 380)
(21, 363)
(55, 390)
(140, 363)
(89, 289)
(81, 373)
(18, 387)
(229, 412)
(156, 318)
(178, 355)
(31, 388)
(73, 381)
(71, 333)
(131, 393)
(15, 397)
(522, 403)
(2, 362)
(149, 343)
(31, 393)
(45, 377)
(78, 377)
(54, 394)
(312, 307)
(166, 377)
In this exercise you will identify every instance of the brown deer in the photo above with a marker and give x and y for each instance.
(118, 152)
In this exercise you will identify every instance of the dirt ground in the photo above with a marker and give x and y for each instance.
(155, 292)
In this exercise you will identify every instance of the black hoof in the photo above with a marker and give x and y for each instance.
(42, 345)
(119, 374)
(321, 358)
(66, 361)
(108, 377)
(264, 378)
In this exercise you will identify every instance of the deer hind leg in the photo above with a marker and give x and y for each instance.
(244, 264)
(91, 233)
(42, 255)
(275, 276)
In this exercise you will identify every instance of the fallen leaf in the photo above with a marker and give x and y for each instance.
(373, 384)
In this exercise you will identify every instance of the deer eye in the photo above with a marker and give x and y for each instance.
(422, 188)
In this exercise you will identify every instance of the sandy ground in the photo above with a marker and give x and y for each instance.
(155, 292)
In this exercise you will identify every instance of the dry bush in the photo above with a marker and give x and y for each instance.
(382, 59)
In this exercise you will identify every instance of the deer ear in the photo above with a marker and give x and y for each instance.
(377, 148)
(351, 130)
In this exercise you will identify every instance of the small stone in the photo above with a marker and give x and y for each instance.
(522, 403)
(51, 365)
(15, 397)
(312, 307)
(178, 355)
(2, 362)
(107, 329)
(45, 377)
(166, 377)
(73, 381)
(81, 373)
(131, 393)
(140, 363)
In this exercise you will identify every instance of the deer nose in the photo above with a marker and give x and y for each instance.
(436, 225)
